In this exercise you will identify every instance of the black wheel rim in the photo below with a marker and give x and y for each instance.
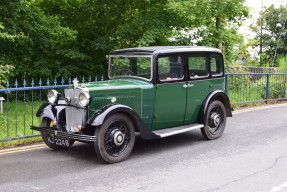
(113, 148)
(215, 120)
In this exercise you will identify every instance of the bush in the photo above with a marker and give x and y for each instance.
(283, 63)
(278, 87)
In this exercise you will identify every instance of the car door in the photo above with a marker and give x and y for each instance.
(170, 92)
(198, 85)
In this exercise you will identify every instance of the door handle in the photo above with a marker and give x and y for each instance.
(187, 85)
(190, 85)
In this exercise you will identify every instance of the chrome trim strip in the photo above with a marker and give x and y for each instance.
(183, 130)
(78, 137)
(209, 79)
(114, 87)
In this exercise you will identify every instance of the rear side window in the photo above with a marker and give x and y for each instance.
(216, 65)
(170, 68)
(198, 67)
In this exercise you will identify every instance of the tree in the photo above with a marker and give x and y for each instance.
(74, 37)
(36, 44)
(274, 36)
(216, 23)
(106, 25)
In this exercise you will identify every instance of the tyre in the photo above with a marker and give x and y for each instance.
(115, 138)
(214, 120)
(53, 142)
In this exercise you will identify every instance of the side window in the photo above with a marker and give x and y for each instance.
(198, 67)
(170, 68)
(216, 66)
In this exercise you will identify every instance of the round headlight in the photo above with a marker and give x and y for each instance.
(52, 96)
(84, 99)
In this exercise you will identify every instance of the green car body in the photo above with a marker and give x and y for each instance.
(161, 91)
(152, 102)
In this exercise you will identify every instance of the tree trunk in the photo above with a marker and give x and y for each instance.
(219, 40)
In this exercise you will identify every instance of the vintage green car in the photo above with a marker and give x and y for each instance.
(154, 91)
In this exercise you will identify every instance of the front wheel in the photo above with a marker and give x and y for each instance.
(115, 139)
(214, 120)
(52, 141)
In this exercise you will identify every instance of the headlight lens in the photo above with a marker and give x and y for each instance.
(52, 96)
(84, 99)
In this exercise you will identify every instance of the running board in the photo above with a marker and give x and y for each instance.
(177, 130)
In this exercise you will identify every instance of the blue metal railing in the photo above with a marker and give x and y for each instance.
(21, 104)
(249, 69)
(243, 88)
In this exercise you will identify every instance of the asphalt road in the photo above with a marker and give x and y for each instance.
(250, 156)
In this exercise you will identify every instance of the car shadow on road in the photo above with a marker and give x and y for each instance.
(47, 163)
(86, 153)
(143, 147)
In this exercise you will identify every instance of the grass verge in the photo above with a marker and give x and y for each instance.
(15, 121)
(19, 142)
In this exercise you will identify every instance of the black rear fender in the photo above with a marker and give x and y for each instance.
(215, 95)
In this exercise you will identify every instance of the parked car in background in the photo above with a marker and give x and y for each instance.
(156, 91)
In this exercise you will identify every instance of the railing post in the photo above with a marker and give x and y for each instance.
(1, 104)
(226, 84)
(7, 109)
(16, 110)
(24, 115)
(267, 88)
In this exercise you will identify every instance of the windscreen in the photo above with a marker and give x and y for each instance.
(130, 66)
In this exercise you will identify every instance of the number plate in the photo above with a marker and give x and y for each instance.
(58, 141)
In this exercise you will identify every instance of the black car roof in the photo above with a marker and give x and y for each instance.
(165, 49)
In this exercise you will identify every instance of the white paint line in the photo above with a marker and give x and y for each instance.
(20, 148)
(258, 108)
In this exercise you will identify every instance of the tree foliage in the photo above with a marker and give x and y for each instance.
(216, 23)
(36, 44)
(73, 37)
(5, 74)
(274, 36)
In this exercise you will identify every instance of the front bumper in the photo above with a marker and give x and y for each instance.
(53, 131)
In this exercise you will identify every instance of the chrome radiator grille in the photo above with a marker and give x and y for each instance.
(74, 116)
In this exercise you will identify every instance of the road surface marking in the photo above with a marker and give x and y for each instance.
(279, 188)
(21, 149)
(41, 146)
(258, 108)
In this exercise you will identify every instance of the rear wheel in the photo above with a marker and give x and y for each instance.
(115, 139)
(214, 121)
(52, 141)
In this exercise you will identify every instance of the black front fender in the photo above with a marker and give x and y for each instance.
(98, 118)
(51, 112)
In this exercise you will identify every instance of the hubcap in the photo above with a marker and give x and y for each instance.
(119, 138)
(215, 120)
